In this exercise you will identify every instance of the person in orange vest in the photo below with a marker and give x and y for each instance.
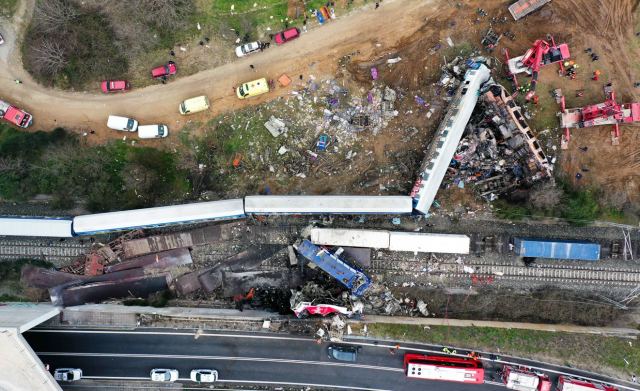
(596, 75)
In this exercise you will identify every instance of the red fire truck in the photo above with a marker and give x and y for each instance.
(522, 379)
(15, 115)
(568, 383)
(446, 368)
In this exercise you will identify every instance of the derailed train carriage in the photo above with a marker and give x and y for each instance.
(201, 212)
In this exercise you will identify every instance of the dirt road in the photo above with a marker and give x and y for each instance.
(315, 53)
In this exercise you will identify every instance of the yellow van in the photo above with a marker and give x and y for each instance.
(253, 88)
(194, 105)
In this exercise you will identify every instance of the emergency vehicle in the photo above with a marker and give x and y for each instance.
(14, 115)
(568, 383)
(522, 379)
(445, 368)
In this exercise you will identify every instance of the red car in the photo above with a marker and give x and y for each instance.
(164, 70)
(114, 85)
(287, 35)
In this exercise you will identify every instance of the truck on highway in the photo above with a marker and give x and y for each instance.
(556, 249)
(14, 115)
(568, 383)
(522, 379)
(347, 275)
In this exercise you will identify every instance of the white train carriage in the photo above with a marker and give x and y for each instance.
(158, 217)
(40, 227)
(429, 243)
(350, 237)
(332, 204)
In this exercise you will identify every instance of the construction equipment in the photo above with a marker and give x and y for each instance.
(607, 113)
(540, 54)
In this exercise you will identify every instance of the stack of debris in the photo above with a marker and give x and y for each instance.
(500, 152)
(137, 277)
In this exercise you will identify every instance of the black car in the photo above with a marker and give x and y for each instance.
(343, 352)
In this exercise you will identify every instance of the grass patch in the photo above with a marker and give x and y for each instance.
(577, 350)
(8, 7)
(11, 289)
(114, 176)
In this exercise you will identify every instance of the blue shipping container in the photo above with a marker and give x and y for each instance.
(347, 275)
(557, 249)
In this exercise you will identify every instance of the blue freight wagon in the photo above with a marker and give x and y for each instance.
(353, 279)
(557, 249)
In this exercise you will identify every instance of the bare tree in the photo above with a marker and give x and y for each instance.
(546, 197)
(164, 13)
(9, 165)
(48, 57)
(54, 16)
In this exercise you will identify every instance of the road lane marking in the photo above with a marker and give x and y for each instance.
(188, 334)
(192, 357)
(360, 343)
(244, 382)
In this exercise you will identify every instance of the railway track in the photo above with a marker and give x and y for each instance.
(52, 251)
(556, 274)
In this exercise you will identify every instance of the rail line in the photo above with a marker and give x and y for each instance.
(48, 250)
(570, 274)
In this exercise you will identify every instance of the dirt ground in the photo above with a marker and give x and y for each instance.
(415, 31)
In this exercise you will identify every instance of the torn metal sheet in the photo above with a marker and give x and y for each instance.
(161, 260)
(39, 277)
(196, 237)
(190, 282)
(104, 290)
(210, 281)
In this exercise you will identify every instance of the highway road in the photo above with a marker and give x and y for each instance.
(253, 358)
(239, 358)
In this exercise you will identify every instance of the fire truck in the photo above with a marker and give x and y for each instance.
(447, 368)
(522, 379)
(568, 383)
(15, 115)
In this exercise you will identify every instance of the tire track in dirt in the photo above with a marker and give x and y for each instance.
(314, 53)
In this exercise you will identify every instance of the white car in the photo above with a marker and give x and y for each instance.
(124, 124)
(164, 375)
(248, 48)
(67, 374)
(204, 375)
(1, 39)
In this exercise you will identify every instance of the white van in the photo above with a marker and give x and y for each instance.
(122, 123)
(194, 105)
(153, 131)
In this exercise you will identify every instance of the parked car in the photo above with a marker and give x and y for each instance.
(204, 375)
(124, 124)
(287, 35)
(343, 352)
(253, 88)
(165, 70)
(1, 39)
(194, 105)
(164, 375)
(153, 131)
(114, 85)
(67, 374)
(248, 48)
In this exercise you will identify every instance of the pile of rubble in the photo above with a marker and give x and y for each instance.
(500, 152)
(315, 129)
